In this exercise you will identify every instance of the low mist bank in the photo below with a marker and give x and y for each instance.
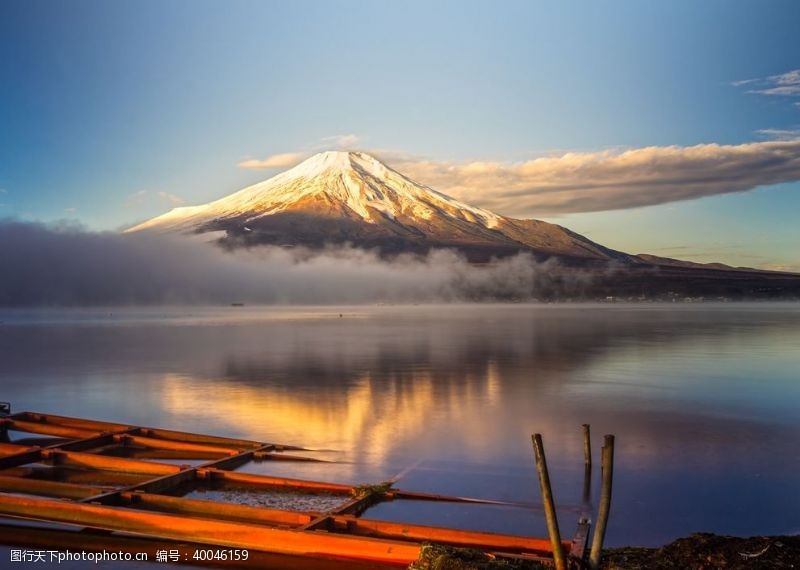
(65, 265)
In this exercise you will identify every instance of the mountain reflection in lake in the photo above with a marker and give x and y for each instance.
(703, 399)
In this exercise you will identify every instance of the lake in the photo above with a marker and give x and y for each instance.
(703, 400)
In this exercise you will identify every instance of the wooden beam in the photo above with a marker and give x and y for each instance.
(198, 438)
(20, 458)
(217, 510)
(108, 463)
(51, 429)
(156, 443)
(81, 423)
(57, 539)
(272, 456)
(250, 480)
(222, 533)
(454, 537)
(7, 449)
(46, 488)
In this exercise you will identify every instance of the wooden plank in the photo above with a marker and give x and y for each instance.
(41, 538)
(271, 456)
(20, 458)
(156, 443)
(77, 476)
(190, 437)
(160, 454)
(226, 511)
(455, 537)
(89, 442)
(81, 423)
(222, 533)
(108, 463)
(248, 479)
(46, 488)
(51, 429)
(13, 448)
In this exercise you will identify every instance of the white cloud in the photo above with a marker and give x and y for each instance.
(342, 141)
(171, 198)
(780, 134)
(607, 180)
(782, 85)
(289, 159)
(70, 210)
(283, 160)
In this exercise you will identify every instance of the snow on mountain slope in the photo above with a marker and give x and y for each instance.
(351, 197)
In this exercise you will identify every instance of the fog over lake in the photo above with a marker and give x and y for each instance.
(703, 400)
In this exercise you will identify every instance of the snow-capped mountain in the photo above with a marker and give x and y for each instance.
(351, 197)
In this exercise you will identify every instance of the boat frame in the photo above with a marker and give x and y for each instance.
(140, 510)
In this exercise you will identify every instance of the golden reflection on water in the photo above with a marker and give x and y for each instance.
(364, 417)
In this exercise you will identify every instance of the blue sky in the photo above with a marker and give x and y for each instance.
(112, 112)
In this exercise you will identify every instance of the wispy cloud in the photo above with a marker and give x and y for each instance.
(171, 198)
(70, 210)
(289, 159)
(780, 134)
(283, 160)
(607, 180)
(342, 141)
(782, 85)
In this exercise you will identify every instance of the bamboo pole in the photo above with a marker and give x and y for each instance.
(607, 457)
(549, 505)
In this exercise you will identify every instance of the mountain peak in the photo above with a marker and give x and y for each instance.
(337, 160)
(352, 197)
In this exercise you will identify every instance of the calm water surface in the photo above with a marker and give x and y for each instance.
(703, 399)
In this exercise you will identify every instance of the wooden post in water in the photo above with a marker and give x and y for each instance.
(587, 465)
(607, 462)
(587, 445)
(549, 505)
